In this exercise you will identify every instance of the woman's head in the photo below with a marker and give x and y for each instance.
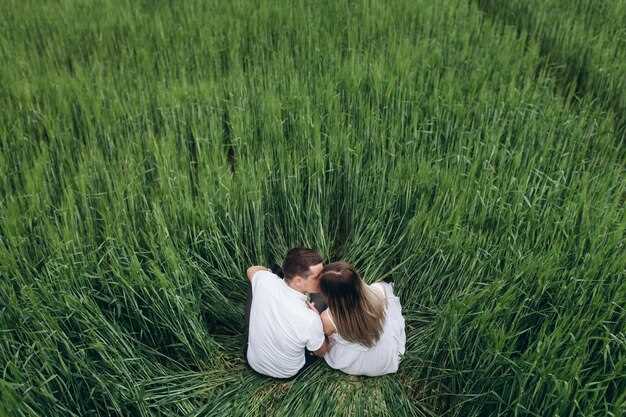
(358, 312)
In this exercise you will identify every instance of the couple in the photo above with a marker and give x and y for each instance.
(357, 328)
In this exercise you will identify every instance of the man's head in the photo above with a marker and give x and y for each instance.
(302, 268)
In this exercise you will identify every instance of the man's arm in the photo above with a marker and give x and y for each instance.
(323, 349)
(253, 270)
(318, 329)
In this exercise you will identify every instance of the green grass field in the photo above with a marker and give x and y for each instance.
(150, 151)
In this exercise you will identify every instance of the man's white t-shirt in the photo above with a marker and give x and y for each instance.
(281, 326)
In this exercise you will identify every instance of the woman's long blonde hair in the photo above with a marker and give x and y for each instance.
(358, 312)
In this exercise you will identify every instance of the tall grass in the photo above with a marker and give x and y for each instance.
(150, 151)
(583, 44)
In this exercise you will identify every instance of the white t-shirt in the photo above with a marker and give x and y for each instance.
(281, 326)
(382, 358)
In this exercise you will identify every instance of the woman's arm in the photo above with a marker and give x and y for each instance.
(327, 324)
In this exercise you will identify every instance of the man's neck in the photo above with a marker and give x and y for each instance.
(290, 285)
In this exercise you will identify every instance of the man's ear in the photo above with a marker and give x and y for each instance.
(297, 281)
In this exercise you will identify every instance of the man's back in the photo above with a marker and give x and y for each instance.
(281, 326)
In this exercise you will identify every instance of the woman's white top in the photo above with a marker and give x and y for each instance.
(382, 358)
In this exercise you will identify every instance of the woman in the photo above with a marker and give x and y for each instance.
(364, 323)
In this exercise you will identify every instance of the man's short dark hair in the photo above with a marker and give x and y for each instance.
(299, 260)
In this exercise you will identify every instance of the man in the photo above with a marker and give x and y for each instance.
(283, 328)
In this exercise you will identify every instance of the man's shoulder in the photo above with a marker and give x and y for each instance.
(299, 312)
(313, 320)
(263, 273)
(265, 278)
